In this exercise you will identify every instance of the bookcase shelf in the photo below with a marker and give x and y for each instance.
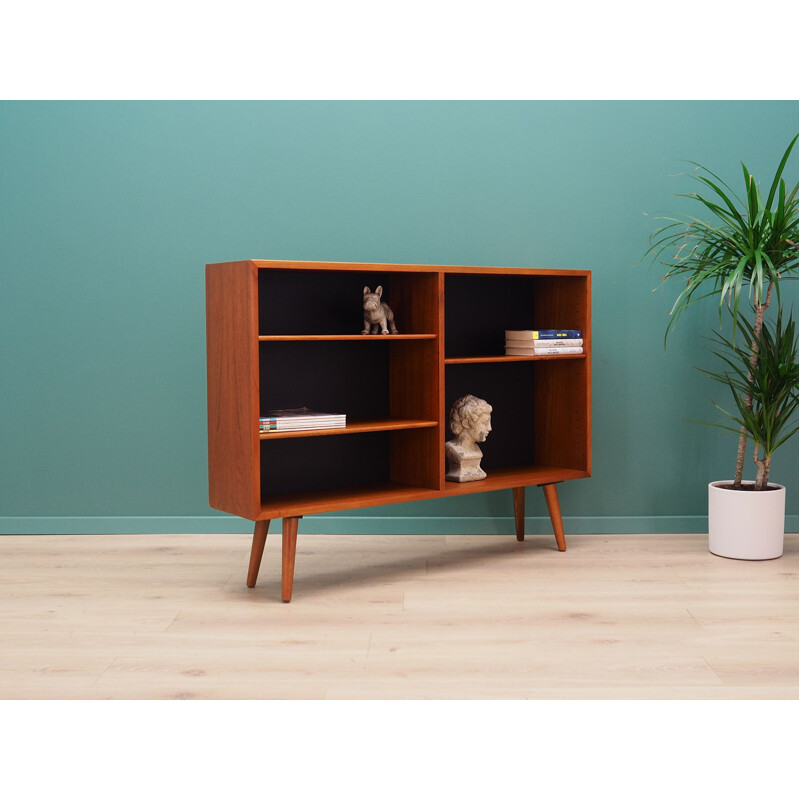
(283, 334)
(348, 338)
(502, 359)
(508, 478)
(301, 503)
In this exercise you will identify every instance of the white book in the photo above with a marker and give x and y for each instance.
(299, 423)
(543, 351)
(303, 413)
(293, 419)
(545, 343)
(290, 427)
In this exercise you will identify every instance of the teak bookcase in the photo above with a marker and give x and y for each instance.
(285, 334)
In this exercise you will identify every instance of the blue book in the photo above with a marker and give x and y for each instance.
(545, 333)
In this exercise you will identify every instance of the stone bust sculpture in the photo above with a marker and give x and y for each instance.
(470, 421)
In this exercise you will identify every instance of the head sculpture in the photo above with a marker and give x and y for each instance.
(470, 421)
(471, 417)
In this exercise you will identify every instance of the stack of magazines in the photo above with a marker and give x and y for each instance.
(546, 342)
(299, 419)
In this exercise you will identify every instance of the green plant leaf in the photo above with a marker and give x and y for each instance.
(745, 242)
(779, 171)
(764, 393)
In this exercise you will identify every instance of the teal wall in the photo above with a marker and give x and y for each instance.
(110, 210)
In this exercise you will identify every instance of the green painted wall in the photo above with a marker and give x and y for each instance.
(110, 210)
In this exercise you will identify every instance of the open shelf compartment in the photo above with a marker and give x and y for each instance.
(328, 303)
(539, 414)
(372, 386)
(480, 308)
(335, 466)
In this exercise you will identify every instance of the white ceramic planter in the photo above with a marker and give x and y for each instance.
(746, 524)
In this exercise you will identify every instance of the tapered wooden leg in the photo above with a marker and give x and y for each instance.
(257, 550)
(551, 495)
(289, 546)
(519, 511)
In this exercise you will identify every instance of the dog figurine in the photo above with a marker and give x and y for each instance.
(377, 314)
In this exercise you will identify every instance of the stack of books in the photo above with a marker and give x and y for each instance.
(548, 342)
(299, 419)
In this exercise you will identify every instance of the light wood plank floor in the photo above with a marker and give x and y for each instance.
(395, 617)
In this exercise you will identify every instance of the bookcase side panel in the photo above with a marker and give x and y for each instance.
(414, 393)
(587, 368)
(414, 388)
(443, 431)
(232, 385)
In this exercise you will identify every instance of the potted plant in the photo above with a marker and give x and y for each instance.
(739, 525)
(742, 252)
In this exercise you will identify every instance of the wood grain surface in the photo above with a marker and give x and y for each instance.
(395, 617)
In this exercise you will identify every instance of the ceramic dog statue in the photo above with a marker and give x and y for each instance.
(377, 314)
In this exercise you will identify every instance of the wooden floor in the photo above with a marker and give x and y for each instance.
(395, 617)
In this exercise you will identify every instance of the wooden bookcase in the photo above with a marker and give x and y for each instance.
(284, 334)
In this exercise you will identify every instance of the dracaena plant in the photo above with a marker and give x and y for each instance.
(771, 384)
(742, 248)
